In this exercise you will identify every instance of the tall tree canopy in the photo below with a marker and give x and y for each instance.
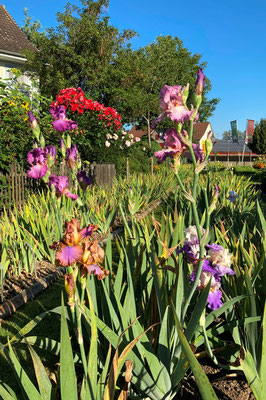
(86, 51)
(258, 144)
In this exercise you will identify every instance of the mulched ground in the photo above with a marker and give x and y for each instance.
(227, 385)
(14, 285)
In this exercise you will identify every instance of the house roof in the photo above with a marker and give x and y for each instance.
(225, 146)
(137, 132)
(200, 129)
(12, 39)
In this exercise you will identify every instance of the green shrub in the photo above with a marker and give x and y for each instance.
(139, 159)
(214, 166)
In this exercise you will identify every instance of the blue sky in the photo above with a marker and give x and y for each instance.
(230, 35)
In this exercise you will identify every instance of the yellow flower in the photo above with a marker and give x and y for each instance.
(11, 103)
(14, 70)
(25, 105)
(25, 119)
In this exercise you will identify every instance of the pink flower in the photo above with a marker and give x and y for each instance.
(38, 159)
(69, 255)
(200, 82)
(61, 123)
(174, 146)
(60, 184)
(172, 104)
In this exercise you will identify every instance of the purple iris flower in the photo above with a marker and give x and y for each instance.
(216, 264)
(33, 120)
(58, 112)
(215, 299)
(191, 251)
(214, 247)
(51, 154)
(61, 123)
(199, 155)
(172, 105)
(69, 255)
(174, 145)
(215, 295)
(83, 180)
(37, 157)
(71, 156)
(60, 184)
(51, 150)
(221, 259)
(233, 196)
(95, 270)
(199, 82)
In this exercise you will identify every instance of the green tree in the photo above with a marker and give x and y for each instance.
(228, 134)
(79, 51)
(136, 78)
(258, 144)
(32, 29)
(85, 50)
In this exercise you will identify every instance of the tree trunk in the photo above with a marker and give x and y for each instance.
(149, 140)
(128, 172)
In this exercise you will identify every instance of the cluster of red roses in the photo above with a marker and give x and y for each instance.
(75, 100)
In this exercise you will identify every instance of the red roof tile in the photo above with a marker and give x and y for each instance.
(200, 129)
(137, 132)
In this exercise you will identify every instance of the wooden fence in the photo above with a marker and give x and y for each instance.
(17, 185)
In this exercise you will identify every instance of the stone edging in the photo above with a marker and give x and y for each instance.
(12, 305)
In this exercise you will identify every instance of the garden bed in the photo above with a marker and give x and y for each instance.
(18, 290)
(227, 385)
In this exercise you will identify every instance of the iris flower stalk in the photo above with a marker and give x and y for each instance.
(196, 218)
(197, 167)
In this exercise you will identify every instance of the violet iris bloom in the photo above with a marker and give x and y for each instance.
(233, 196)
(199, 155)
(33, 120)
(69, 255)
(71, 156)
(172, 105)
(83, 180)
(61, 123)
(60, 184)
(208, 274)
(96, 271)
(174, 146)
(199, 82)
(215, 265)
(38, 159)
(51, 154)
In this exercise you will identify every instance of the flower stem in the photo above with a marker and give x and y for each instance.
(80, 339)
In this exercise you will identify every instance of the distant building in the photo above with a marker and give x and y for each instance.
(140, 133)
(12, 44)
(232, 153)
(200, 133)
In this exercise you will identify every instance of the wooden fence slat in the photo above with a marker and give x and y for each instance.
(20, 185)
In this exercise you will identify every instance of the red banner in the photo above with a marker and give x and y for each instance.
(250, 130)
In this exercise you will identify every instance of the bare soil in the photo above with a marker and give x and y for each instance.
(227, 384)
(14, 285)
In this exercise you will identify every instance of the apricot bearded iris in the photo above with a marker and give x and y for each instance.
(77, 247)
